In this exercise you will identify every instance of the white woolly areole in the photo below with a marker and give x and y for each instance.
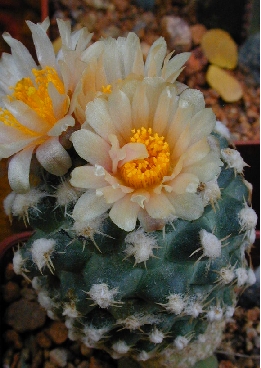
(156, 336)
(194, 309)
(18, 262)
(210, 243)
(93, 335)
(88, 228)
(175, 303)
(181, 342)
(44, 300)
(221, 129)
(251, 236)
(226, 275)
(233, 159)
(143, 356)
(135, 321)
(41, 252)
(69, 309)
(211, 192)
(120, 347)
(214, 314)
(247, 218)
(230, 310)
(66, 194)
(251, 280)
(8, 203)
(242, 276)
(140, 245)
(102, 295)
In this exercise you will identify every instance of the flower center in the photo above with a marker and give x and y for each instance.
(107, 89)
(143, 173)
(9, 120)
(35, 93)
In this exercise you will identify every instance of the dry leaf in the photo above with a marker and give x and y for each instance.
(220, 48)
(225, 84)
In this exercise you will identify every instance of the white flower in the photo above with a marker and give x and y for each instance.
(112, 60)
(148, 152)
(35, 101)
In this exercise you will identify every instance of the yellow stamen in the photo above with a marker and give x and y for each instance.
(143, 173)
(106, 89)
(9, 120)
(36, 95)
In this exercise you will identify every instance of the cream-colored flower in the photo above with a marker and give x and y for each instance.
(147, 151)
(112, 60)
(34, 106)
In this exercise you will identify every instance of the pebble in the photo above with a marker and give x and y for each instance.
(177, 33)
(11, 291)
(11, 336)
(25, 315)
(59, 356)
(43, 340)
(85, 351)
(58, 332)
(9, 271)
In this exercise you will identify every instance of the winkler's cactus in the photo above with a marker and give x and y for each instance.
(142, 215)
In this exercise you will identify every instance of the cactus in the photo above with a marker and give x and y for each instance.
(146, 265)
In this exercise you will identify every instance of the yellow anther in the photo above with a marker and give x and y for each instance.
(106, 89)
(143, 173)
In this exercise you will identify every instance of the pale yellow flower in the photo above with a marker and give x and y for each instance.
(112, 60)
(148, 152)
(34, 105)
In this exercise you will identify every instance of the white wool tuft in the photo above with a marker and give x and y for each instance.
(227, 275)
(102, 295)
(66, 194)
(230, 310)
(41, 252)
(242, 276)
(247, 218)
(214, 314)
(140, 245)
(181, 342)
(18, 262)
(8, 204)
(233, 159)
(175, 303)
(211, 192)
(251, 236)
(120, 347)
(194, 309)
(143, 356)
(93, 335)
(44, 300)
(69, 309)
(221, 129)
(251, 280)
(156, 336)
(87, 229)
(210, 243)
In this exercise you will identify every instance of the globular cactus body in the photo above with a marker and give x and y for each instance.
(161, 297)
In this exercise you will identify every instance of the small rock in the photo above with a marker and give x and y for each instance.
(28, 294)
(49, 365)
(59, 356)
(197, 32)
(43, 340)
(177, 33)
(24, 315)
(83, 364)
(11, 291)
(85, 351)
(11, 336)
(9, 271)
(58, 332)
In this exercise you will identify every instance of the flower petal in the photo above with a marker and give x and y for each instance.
(61, 126)
(96, 206)
(53, 157)
(92, 148)
(97, 115)
(155, 58)
(207, 168)
(187, 206)
(196, 152)
(184, 182)
(85, 177)
(124, 213)
(43, 45)
(159, 206)
(202, 124)
(110, 194)
(140, 108)
(161, 115)
(18, 170)
(120, 111)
